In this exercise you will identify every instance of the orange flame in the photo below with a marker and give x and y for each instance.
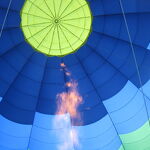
(62, 65)
(68, 102)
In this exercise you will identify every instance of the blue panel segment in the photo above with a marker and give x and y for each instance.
(14, 7)
(13, 19)
(127, 109)
(46, 134)
(95, 73)
(148, 46)
(13, 135)
(146, 89)
(102, 130)
(11, 63)
(23, 93)
(11, 39)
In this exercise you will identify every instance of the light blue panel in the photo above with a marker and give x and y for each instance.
(37, 145)
(14, 129)
(127, 109)
(148, 47)
(13, 135)
(133, 123)
(100, 135)
(13, 142)
(6, 148)
(50, 132)
(94, 129)
(121, 98)
(148, 105)
(146, 89)
(113, 145)
(47, 121)
(1, 99)
(50, 136)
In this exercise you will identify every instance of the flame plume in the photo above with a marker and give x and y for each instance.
(68, 102)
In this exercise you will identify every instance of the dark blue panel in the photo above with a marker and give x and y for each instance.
(15, 114)
(15, 5)
(88, 115)
(13, 19)
(112, 87)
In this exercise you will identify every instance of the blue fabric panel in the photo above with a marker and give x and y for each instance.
(107, 7)
(11, 64)
(10, 39)
(89, 100)
(6, 148)
(144, 71)
(101, 130)
(53, 75)
(54, 62)
(134, 123)
(47, 121)
(112, 86)
(16, 35)
(13, 135)
(77, 72)
(46, 106)
(87, 115)
(94, 39)
(16, 57)
(92, 59)
(114, 26)
(6, 71)
(145, 89)
(13, 142)
(50, 91)
(37, 145)
(148, 105)
(96, 7)
(46, 132)
(70, 60)
(99, 80)
(85, 86)
(50, 136)
(51, 86)
(10, 23)
(21, 100)
(131, 107)
(4, 4)
(14, 129)
(148, 46)
(16, 114)
(118, 59)
(136, 5)
(24, 90)
(84, 52)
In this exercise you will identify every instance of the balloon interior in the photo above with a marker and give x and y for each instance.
(74, 75)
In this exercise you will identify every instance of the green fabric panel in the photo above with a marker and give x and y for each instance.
(137, 140)
(121, 148)
(56, 28)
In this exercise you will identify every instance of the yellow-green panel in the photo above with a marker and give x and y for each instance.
(56, 28)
